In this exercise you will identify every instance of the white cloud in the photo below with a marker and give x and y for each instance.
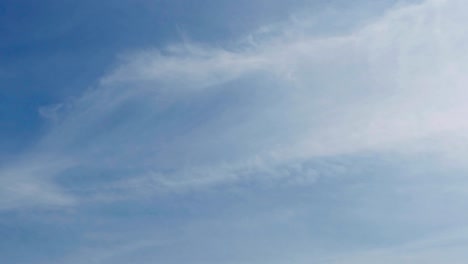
(199, 115)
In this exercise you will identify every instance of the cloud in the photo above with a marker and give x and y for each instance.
(194, 115)
(30, 184)
(444, 247)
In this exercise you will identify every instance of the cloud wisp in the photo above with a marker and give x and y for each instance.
(196, 115)
(287, 146)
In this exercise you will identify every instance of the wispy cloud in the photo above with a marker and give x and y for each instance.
(198, 115)
(443, 247)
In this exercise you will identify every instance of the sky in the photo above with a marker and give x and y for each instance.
(233, 132)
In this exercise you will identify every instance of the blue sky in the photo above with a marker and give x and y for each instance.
(233, 132)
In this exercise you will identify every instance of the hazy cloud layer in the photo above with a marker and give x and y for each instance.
(364, 129)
